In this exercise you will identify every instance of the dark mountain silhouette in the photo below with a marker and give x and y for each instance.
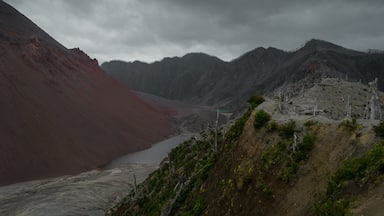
(59, 112)
(180, 75)
(207, 80)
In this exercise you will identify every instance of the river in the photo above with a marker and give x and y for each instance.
(151, 156)
(88, 193)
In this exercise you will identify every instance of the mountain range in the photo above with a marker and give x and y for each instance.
(203, 79)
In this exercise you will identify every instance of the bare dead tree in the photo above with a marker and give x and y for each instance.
(315, 108)
(348, 108)
(280, 99)
(375, 109)
(135, 186)
(207, 134)
(294, 145)
(366, 110)
(216, 128)
(171, 167)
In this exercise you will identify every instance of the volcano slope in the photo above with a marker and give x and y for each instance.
(59, 112)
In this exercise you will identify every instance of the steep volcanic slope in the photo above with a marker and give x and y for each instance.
(258, 71)
(59, 112)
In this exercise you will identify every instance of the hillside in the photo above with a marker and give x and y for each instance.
(272, 162)
(60, 113)
(206, 80)
(185, 117)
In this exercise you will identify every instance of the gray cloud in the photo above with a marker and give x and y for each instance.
(152, 29)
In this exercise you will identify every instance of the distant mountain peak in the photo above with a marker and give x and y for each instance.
(195, 54)
(259, 52)
(317, 44)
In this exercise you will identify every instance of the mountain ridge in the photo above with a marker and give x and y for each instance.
(259, 71)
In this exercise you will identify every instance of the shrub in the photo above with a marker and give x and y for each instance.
(272, 126)
(255, 100)
(379, 129)
(304, 148)
(351, 124)
(263, 187)
(198, 207)
(287, 130)
(307, 144)
(309, 123)
(261, 118)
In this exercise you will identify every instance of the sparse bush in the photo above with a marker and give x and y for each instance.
(308, 141)
(263, 187)
(330, 206)
(309, 123)
(261, 118)
(272, 126)
(304, 148)
(351, 124)
(255, 100)
(198, 206)
(287, 130)
(235, 131)
(289, 169)
(379, 129)
(243, 173)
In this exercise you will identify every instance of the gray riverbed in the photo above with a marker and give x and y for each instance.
(153, 155)
(88, 193)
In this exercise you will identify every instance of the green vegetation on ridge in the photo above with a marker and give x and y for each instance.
(248, 174)
(361, 172)
(261, 118)
(176, 188)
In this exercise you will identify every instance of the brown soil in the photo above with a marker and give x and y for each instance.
(371, 203)
(333, 144)
(59, 112)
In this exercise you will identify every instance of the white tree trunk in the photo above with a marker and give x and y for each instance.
(216, 128)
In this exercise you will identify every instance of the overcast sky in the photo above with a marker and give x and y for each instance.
(149, 30)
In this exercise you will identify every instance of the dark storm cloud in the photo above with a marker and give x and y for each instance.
(151, 29)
